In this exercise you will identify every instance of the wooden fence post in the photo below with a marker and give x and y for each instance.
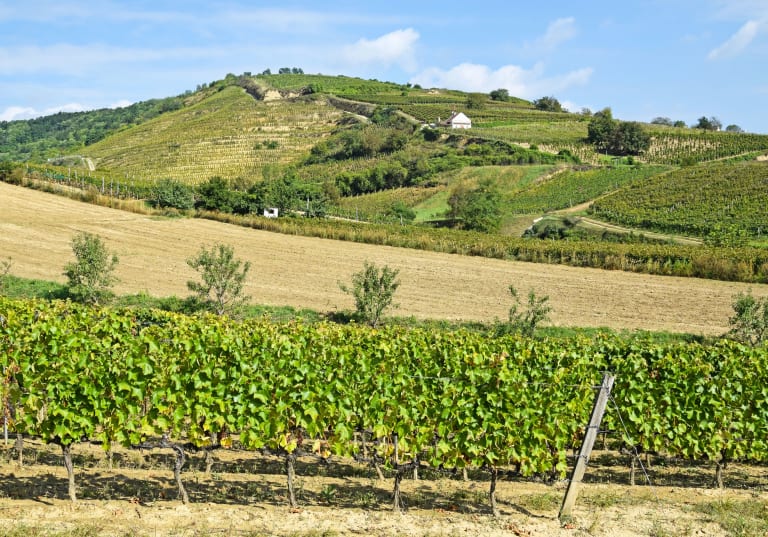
(601, 400)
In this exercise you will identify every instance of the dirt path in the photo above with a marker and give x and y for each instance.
(36, 229)
(581, 207)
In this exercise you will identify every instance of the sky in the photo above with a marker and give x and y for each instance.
(681, 59)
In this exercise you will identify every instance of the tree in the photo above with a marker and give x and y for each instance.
(500, 94)
(733, 128)
(600, 129)
(221, 290)
(525, 321)
(548, 104)
(214, 195)
(92, 273)
(629, 138)
(708, 124)
(680, 124)
(662, 121)
(401, 212)
(618, 138)
(749, 323)
(373, 289)
(170, 193)
(478, 209)
(476, 101)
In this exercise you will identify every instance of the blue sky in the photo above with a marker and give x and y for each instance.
(681, 59)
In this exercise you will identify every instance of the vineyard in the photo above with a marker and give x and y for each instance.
(572, 187)
(676, 146)
(694, 200)
(229, 135)
(397, 397)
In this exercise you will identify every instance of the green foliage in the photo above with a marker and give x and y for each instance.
(500, 94)
(373, 289)
(214, 195)
(223, 277)
(399, 211)
(617, 138)
(476, 101)
(749, 323)
(478, 209)
(454, 399)
(629, 138)
(5, 272)
(36, 139)
(91, 275)
(524, 321)
(600, 129)
(548, 104)
(170, 193)
(708, 124)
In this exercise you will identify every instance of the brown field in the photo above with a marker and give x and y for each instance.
(36, 229)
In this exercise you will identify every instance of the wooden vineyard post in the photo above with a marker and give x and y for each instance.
(601, 400)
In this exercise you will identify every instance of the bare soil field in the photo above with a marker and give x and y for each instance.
(36, 229)
(245, 495)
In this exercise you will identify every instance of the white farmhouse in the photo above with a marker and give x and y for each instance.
(458, 120)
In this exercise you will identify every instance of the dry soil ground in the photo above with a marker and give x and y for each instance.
(245, 495)
(36, 229)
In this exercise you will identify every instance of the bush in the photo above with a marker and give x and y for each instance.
(91, 274)
(525, 322)
(749, 323)
(170, 193)
(221, 290)
(373, 289)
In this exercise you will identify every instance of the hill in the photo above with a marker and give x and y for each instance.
(364, 149)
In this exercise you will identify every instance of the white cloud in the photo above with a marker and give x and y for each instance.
(25, 112)
(558, 31)
(121, 104)
(525, 83)
(737, 42)
(393, 48)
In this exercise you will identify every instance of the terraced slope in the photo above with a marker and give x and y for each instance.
(228, 134)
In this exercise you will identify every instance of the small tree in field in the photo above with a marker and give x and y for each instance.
(373, 289)
(91, 275)
(221, 290)
(525, 321)
(749, 323)
(5, 272)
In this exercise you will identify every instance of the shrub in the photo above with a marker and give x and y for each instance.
(373, 289)
(173, 194)
(526, 321)
(91, 274)
(749, 323)
(221, 290)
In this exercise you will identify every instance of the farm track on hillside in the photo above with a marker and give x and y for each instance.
(36, 229)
